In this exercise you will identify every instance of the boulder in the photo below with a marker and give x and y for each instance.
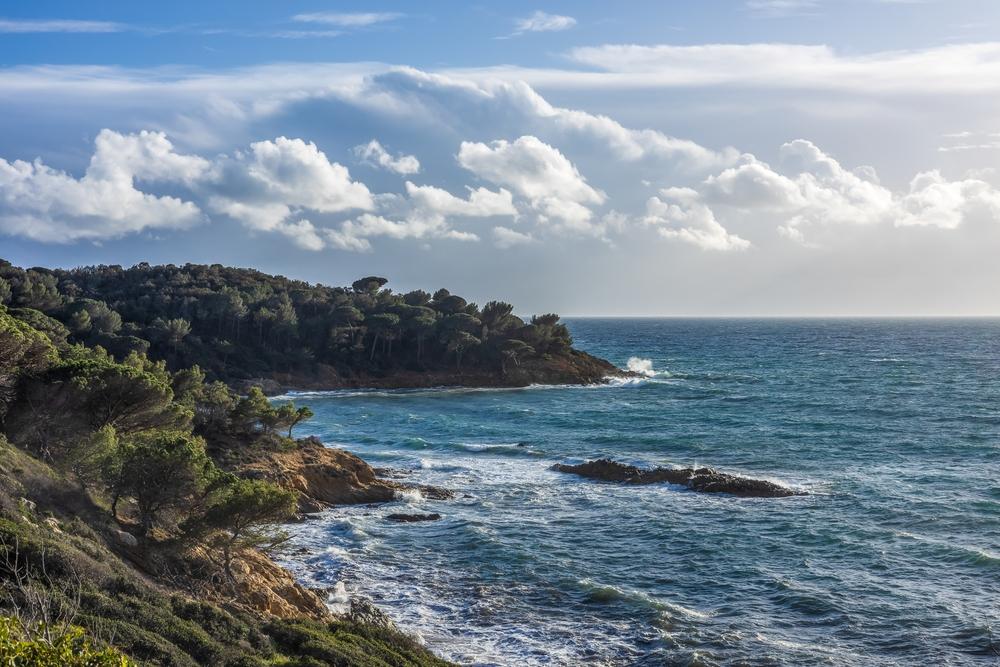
(413, 518)
(125, 539)
(703, 480)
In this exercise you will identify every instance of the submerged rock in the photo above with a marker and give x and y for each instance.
(413, 518)
(703, 480)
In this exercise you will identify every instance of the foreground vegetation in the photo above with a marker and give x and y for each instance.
(127, 535)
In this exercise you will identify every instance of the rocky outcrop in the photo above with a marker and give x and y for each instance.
(704, 480)
(324, 476)
(413, 518)
(265, 587)
(572, 367)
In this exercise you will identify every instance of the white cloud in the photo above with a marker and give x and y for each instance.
(505, 237)
(44, 204)
(146, 156)
(817, 195)
(934, 201)
(375, 154)
(291, 173)
(347, 19)
(426, 213)
(553, 187)
(542, 22)
(782, 7)
(58, 25)
(681, 215)
(970, 68)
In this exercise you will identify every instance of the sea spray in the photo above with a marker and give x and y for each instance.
(641, 366)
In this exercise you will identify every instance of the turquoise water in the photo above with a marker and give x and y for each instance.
(893, 427)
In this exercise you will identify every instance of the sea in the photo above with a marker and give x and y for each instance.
(890, 426)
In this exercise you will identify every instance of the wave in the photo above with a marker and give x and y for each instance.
(495, 448)
(609, 382)
(969, 554)
(598, 593)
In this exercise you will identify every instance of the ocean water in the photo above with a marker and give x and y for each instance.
(891, 426)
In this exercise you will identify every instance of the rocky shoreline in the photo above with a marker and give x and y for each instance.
(573, 368)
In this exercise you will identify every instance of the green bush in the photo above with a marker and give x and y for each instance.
(25, 647)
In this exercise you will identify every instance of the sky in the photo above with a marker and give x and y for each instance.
(667, 158)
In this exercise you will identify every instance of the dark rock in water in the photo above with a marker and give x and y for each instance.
(392, 473)
(704, 480)
(413, 518)
(431, 492)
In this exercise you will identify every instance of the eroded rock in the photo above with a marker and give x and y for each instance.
(703, 480)
(413, 518)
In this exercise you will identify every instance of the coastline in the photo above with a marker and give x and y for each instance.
(577, 368)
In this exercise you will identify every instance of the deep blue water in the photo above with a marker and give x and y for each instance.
(892, 426)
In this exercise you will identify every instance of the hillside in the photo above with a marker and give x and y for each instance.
(136, 524)
(241, 324)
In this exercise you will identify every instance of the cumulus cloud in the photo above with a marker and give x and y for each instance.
(554, 188)
(270, 188)
(505, 237)
(425, 212)
(812, 193)
(373, 153)
(682, 215)
(48, 205)
(543, 22)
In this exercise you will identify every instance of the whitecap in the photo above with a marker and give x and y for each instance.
(409, 495)
(641, 366)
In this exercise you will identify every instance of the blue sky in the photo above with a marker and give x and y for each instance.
(741, 157)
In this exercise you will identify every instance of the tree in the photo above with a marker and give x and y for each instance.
(172, 332)
(36, 319)
(86, 392)
(90, 316)
(88, 456)
(381, 325)
(23, 351)
(514, 350)
(5, 291)
(37, 289)
(451, 304)
(497, 317)
(243, 514)
(288, 415)
(213, 407)
(417, 297)
(458, 343)
(160, 471)
(369, 284)
(251, 411)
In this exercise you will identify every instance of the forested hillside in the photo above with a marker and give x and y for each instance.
(130, 516)
(239, 324)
